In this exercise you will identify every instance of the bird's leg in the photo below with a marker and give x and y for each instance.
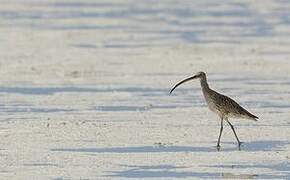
(239, 142)
(219, 139)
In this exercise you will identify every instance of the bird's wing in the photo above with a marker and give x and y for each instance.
(229, 106)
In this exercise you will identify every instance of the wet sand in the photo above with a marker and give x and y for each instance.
(84, 89)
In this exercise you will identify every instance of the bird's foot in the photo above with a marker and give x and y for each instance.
(240, 143)
(218, 147)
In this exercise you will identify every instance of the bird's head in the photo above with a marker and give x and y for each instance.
(200, 75)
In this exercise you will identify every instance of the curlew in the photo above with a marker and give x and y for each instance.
(222, 105)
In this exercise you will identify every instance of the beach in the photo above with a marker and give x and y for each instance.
(84, 89)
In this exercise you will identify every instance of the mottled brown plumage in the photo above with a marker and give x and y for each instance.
(224, 106)
(227, 107)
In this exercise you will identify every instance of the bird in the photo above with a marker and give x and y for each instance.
(222, 105)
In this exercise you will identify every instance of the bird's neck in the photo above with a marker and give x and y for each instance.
(204, 84)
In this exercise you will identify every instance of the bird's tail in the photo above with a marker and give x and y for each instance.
(252, 117)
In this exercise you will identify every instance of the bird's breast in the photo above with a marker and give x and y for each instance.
(211, 105)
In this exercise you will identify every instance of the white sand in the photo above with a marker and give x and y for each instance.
(84, 89)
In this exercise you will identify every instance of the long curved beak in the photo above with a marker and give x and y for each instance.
(183, 81)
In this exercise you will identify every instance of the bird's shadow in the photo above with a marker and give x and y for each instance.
(253, 146)
(264, 145)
